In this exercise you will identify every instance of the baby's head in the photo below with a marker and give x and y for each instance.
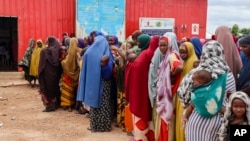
(104, 60)
(201, 77)
(239, 102)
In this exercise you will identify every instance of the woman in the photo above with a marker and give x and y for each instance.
(26, 60)
(224, 36)
(169, 78)
(49, 72)
(35, 57)
(69, 79)
(153, 78)
(197, 46)
(136, 79)
(199, 127)
(187, 54)
(243, 82)
(93, 89)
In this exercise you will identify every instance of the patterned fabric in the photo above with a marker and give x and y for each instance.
(199, 128)
(100, 118)
(68, 91)
(143, 130)
(212, 60)
(208, 99)
(223, 136)
(121, 102)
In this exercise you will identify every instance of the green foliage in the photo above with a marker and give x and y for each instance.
(235, 29)
(244, 31)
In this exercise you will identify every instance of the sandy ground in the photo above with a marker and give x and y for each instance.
(22, 119)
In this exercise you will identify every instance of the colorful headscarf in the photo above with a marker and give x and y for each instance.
(35, 58)
(228, 115)
(188, 64)
(69, 64)
(173, 39)
(27, 55)
(212, 60)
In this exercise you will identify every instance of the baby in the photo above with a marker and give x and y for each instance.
(200, 78)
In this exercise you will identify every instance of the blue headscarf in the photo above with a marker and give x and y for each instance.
(197, 46)
(91, 88)
(80, 43)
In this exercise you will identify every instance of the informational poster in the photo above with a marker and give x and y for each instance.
(157, 26)
(106, 16)
(195, 29)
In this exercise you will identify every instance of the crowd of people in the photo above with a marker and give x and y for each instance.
(155, 88)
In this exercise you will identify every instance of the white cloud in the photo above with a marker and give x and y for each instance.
(227, 12)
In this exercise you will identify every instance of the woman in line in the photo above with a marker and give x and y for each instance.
(136, 91)
(187, 54)
(94, 87)
(26, 60)
(35, 57)
(243, 82)
(224, 36)
(197, 46)
(204, 122)
(153, 78)
(49, 73)
(69, 79)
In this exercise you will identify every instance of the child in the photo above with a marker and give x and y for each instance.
(237, 113)
(200, 78)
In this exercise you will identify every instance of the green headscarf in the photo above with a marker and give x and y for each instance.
(144, 40)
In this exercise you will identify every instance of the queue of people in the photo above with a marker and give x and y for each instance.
(155, 88)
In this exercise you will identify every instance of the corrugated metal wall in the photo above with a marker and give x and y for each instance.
(39, 19)
(184, 12)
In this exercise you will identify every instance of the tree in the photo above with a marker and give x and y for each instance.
(244, 31)
(235, 29)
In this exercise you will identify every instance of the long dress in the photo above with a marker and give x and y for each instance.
(93, 89)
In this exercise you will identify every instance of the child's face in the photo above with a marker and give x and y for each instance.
(196, 81)
(238, 108)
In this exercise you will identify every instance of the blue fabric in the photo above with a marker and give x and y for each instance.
(197, 46)
(208, 99)
(106, 71)
(90, 83)
(244, 78)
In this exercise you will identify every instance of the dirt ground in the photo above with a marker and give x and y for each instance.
(22, 119)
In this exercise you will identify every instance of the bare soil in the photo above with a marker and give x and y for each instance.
(22, 119)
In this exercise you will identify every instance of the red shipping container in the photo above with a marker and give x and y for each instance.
(38, 19)
(185, 12)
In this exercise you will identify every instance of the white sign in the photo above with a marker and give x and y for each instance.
(157, 23)
(195, 29)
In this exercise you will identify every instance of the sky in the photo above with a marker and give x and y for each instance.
(228, 13)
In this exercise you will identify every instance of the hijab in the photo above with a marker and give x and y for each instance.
(212, 60)
(144, 40)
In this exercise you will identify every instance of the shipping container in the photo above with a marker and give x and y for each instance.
(21, 20)
(190, 16)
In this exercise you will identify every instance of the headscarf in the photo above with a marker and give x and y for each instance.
(144, 40)
(27, 55)
(35, 58)
(116, 43)
(244, 78)
(90, 88)
(136, 80)
(197, 46)
(69, 64)
(67, 42)
(173, 39)
(228, 115)
(224, 36)
(188, 64)
(212, 60)
(164, 97)
(136, 34)
(155, 62)
(81, 43)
